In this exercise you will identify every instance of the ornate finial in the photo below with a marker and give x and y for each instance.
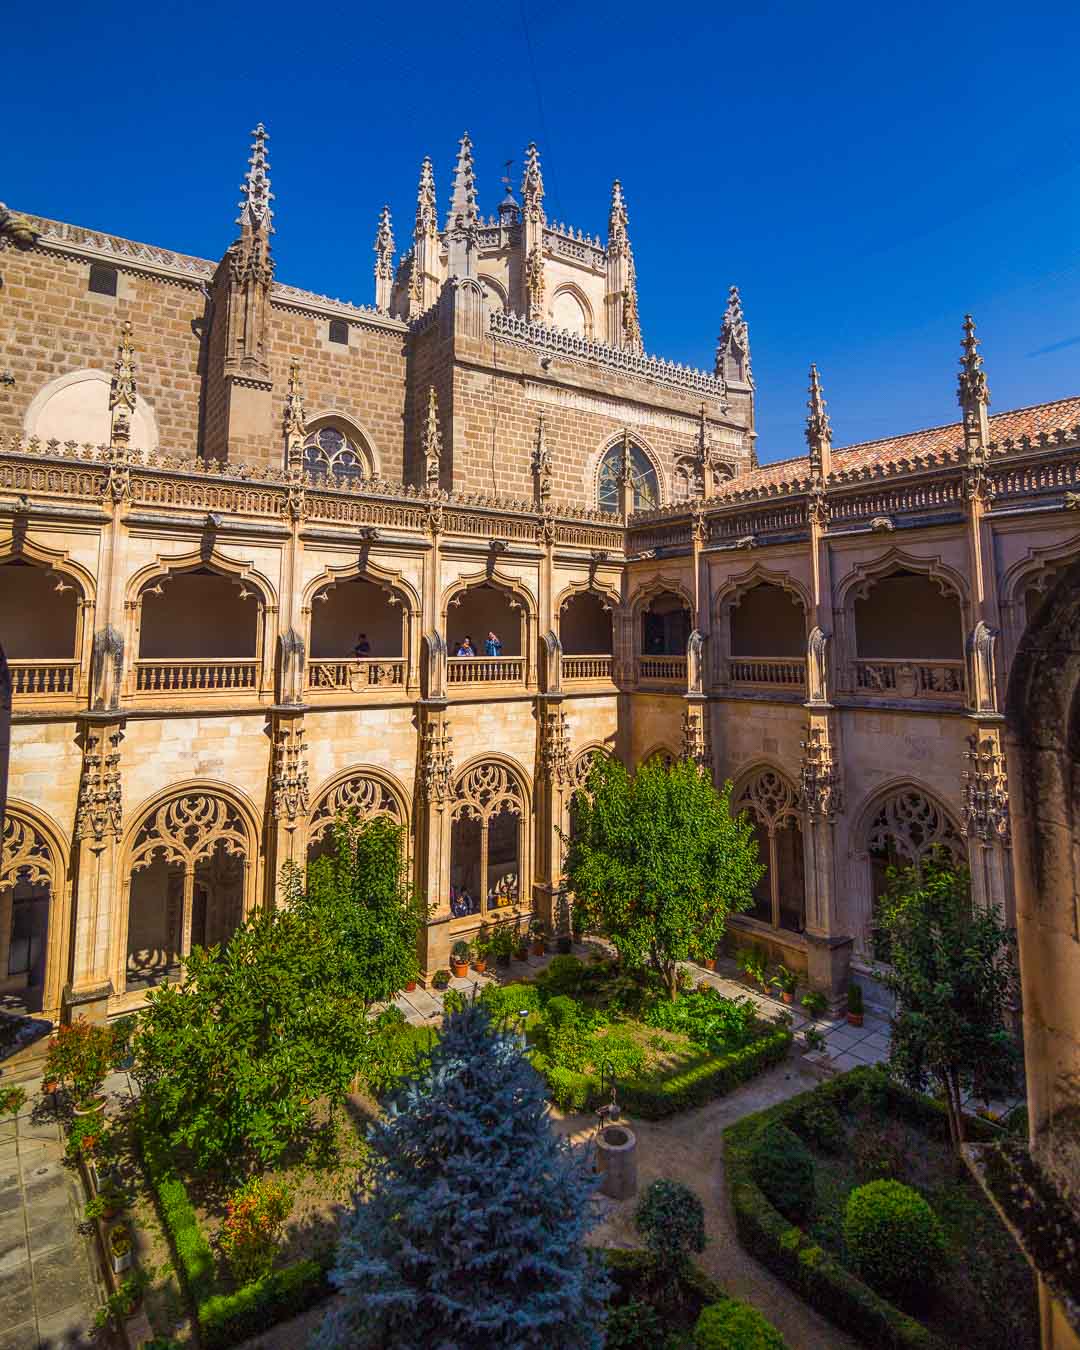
(17, 228)
(541, 462)
(463, 194)
(432, 442)
(617, 219)
(295, 426)
(532, 186)
(122, 392)
(972, 388)
(255, 209)
(630, 321)
(818, 429)
(534, 283)
(733, 345)
(384, 261)
(426, 220)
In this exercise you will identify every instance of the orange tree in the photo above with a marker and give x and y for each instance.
(657, 862)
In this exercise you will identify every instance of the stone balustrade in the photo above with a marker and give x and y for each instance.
(770, 672)
(586, 667)
(485, 670)
(661, 669)
(356, 676)
(42, 679)
(939, 681)
(196, 677)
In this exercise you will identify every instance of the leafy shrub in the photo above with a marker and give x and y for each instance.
(453, 1001)
(12, 1100)
(564, 975)
(441, 979)
(568, 1045)
(634, 1326)
(560, 1010)
(823, 1126)
(460, 951)
(391, 1050)
(568, 1090)
(82, 1054)
(707, 1018)
(892, 1237)
(732, 1325)
(814, 1002)
(621, 1051)
(879, 1153)
(784, 1169)
(671, 1220)
(254, 1215)
(505, 1001)
(228, 1319)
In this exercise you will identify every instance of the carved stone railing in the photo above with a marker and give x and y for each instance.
(940, 681)
(562, 343)
(586, 667)
(661, 669)
(223, 676)
(769, 672)
(42, 679)
(356, 676)
(485, 670)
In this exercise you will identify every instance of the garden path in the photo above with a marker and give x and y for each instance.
(49, 1284)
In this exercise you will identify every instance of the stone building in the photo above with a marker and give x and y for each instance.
(244, 530)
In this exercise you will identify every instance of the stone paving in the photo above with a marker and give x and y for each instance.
(49, 1285)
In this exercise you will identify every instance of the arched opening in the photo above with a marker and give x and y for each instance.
(486, 631)
(487, 844)
(665, 625)
(585, 631)
(570, 314)
(768, 637)
(357, 637)
(773, 805)
(688, 480)
(363, 796)
(635, 469)
(905, 828)
(39, 621)
(909, 638)
(28, 871)
(334, 450)
(187, 884)
(198, 631)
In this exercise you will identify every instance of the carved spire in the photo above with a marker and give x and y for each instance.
(384, 260)
(542, 463)
(122, 392)
(426, 220)
(256, 212)
(532, 186)
(623, 323)
(818, 429)
(631, 323)
(463, 217)
(973, 392)
(295, 426)
(432, 442)
(618, 235)
(733, 345)
(423, 278)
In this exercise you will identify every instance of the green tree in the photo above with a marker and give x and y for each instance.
(953, 977)
(231, 1059)
(657, 862)
(358, 899)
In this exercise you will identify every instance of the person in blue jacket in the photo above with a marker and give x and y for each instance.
(492, 647)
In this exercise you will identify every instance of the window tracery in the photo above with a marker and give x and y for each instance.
(187, 830)
(487, 823)
(913, 825)
(26, 855)
(329, 453)
(637, 469)
(367, 797)
(773, 804)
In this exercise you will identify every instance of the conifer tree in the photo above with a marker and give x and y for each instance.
(471, 1231)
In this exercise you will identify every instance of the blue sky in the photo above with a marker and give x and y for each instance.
(865, 173)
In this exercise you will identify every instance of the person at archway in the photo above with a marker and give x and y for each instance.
(363, 646)
(492, 647)
(466, 648)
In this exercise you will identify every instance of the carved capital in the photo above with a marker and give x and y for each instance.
(99, 812)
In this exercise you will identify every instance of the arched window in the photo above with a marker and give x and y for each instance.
(40, 625)
(688, 481)
(330, 453)
(568, 313)
(362, 795)
(28, 874)
(905, 830)
(773, 805)
(642, 476)
(486, 843)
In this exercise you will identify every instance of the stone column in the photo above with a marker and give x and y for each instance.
(828, 947)
(287, 818)
(435, 778)
(552, 802)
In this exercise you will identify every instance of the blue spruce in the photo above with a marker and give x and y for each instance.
(472, 1230)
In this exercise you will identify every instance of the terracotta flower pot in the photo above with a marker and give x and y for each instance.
(49, 1086)
(90, 1108)
(410, 986)
(709, 963)
(786, 997)
(539, 948)
(460, 969)
(855, 1019)
(522, 954)
(480, 965)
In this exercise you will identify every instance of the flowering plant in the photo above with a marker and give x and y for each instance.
(254, 1215)
(81, 1055)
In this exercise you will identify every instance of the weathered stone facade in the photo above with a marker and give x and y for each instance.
(243, 530)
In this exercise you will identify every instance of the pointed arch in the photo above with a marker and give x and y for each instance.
(859, 580)
(657, 586)
(511, 667)
(771, 798)
(210, 558)
(34, 675)
(594, 464)
(661, 751)
(17, 546)
(569, 288)
(490, 837)
(35, 877)
(1037, 570)
(355, 432)
(733, 588)
(363, 788)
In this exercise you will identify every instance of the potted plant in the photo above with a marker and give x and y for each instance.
(751, 961)
(12, 1100)
(813, 1039)
(441, 979)
(521, 945)
(459, 959)
(706, 958)
(815, 1003)
(786, 981)
(855, 1005)
(502, 946)
(481, 949)
(410, 986)
(538, 936)
(118, 1307)
(108, 1202)
(81, 1055)
(120, 1252)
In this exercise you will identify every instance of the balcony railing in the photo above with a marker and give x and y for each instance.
(485, 670)
(662, 669)
(586, 668)
(195, 677)
(357, 676)
(42, 679)
(942, 681)
(769, 672)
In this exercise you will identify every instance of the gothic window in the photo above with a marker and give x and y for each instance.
(773, 806)
(363, 796)
(339, 332)
(103, 279)
(688, 481)
(906, 829)
(486, 841)
(641, 473)
(27, 873)
(665, 626)
(329, 453)
(187, 881)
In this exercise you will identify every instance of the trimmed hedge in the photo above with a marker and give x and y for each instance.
(733, 1325)
(892, 1237)
(785, 1249)
(223, 1319)
(783, 1167)
(654, 1098)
